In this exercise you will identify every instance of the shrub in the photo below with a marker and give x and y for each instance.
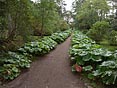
(113, 38)
(114, 24)
(99, 30)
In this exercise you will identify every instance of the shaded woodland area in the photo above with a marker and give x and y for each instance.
(31, 29)
(24, 20)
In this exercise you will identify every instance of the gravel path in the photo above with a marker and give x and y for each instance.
(50, 71)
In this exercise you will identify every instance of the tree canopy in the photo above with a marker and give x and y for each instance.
(90, 11)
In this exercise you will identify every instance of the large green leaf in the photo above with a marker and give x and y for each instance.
(80, 61)
(87, 68)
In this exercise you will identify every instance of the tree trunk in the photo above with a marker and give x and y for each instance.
(11, 27)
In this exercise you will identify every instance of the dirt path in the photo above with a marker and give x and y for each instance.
(51, 71)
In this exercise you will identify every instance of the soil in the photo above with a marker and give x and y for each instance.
(50, 71)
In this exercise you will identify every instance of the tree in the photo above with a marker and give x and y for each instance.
(23, 18)
(89, 12)
(16, 18)
(50, 16)
(2, 19)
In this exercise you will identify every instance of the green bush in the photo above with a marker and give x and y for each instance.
(99, 30)
(113, 38)
(114, 24)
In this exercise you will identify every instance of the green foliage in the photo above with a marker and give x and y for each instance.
(39, 47)
(46, 18)
(22, 19)
(114, 24)
(63, 25)
(45, 44)
(25, 18)
(88, 68)
(96, 61)
(60, 37)
(113, 38)
(11, 63)
(107, 71)
(99, 30)
(90, 11)
(18, 18)
(9, 71)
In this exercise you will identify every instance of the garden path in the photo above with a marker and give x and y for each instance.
(50, 71)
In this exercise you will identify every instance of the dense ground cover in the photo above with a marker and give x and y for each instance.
(11, 63)
(91, 58)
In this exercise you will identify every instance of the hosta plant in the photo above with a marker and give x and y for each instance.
(39, 48)
(60, 37)
(95, 60)
(11, 63)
